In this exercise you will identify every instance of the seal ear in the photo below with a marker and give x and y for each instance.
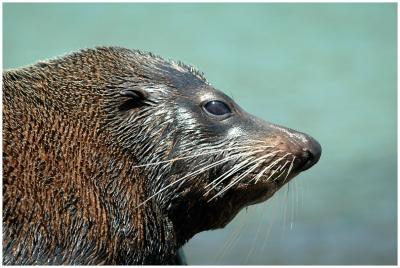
(134, 98)
(134, 93)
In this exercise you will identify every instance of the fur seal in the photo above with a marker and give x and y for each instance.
(116, 156)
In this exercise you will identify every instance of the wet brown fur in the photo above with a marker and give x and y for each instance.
(75, 130)
(70, 191)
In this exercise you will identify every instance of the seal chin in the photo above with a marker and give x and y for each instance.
(264, 188)
(259, 192)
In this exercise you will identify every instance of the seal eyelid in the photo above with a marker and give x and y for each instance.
(217, 108)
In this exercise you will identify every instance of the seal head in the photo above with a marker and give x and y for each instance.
(207, 158)
(115, 156)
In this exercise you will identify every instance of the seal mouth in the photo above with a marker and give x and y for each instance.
(257, 193)
(264, 188)
(258, 181)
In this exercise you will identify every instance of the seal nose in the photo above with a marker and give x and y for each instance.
(305, 149)
(310, 154)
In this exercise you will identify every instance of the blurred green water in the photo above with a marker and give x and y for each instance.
(325, 69)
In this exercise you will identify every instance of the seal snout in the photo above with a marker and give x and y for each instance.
(310, 154)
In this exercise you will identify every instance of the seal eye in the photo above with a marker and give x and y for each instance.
(217, 108)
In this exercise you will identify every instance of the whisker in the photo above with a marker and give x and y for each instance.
(272, 174)
(229, 172)
(191, 156)
(290, 169)
(224, 160)
(279, 168)
(270, 166)
(207, 167)
(188, 175)
(260, 174)
(281, 172)
(239, 178)
(275, 163)
(234, 169)
(283, 166)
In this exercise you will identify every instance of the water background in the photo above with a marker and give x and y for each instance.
(325, 69)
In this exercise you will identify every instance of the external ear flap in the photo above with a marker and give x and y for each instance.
(134, 94)
(133, 98)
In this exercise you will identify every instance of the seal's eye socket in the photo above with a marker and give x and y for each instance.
(217, 108)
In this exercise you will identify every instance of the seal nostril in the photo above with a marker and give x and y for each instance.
(311, 155)
(309, 160)
(306, 154)
(306, 160)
